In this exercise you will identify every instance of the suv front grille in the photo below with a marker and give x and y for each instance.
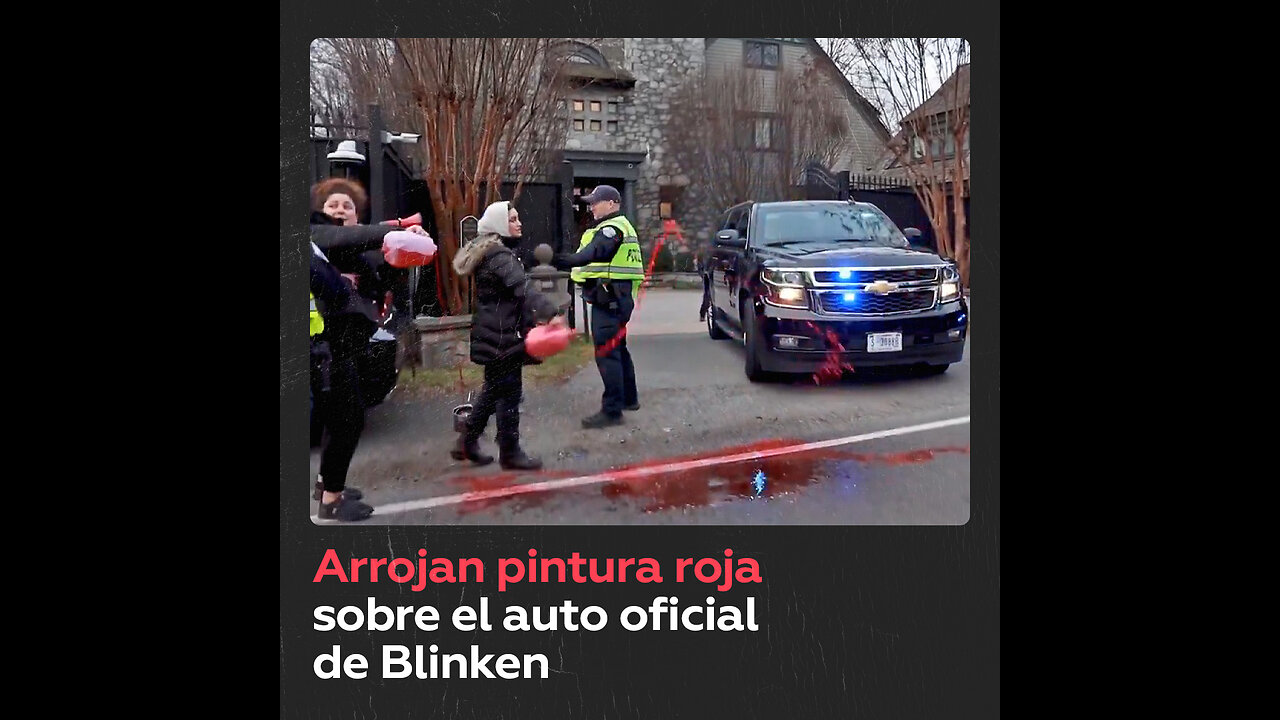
(863, 303)
(868, 276)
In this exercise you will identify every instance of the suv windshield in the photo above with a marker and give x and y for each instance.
(862, 224)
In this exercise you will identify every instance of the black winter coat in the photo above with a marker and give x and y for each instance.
(348, 249)
(506, 308)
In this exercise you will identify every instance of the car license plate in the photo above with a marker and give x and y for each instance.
(884, 342)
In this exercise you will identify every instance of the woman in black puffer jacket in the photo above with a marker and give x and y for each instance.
(506, 310)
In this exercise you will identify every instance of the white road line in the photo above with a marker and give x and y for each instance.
(614, 475)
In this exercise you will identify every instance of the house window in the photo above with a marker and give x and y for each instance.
(761, 55)
(612, 126)
(743, 135)
(763, 134)
(595, 126)
(613, 108)
(560, 105)
(595, 106)
(917, 147)
(577, 125)
(759, 133)
(577, 106)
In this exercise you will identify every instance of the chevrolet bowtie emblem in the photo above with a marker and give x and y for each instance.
(880, 287)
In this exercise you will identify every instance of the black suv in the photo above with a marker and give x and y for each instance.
(802, 282)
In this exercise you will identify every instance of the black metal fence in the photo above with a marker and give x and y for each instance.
(393, 179)
(896, 198)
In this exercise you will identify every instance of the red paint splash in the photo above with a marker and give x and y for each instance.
(614, 341)
(507, 479)
(784, 475)
(833, 365)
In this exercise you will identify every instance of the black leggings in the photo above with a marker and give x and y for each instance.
(500, 395)
(341, 407)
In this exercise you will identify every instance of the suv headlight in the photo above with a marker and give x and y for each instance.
(784, 288)
(950, 288)
(789, 278)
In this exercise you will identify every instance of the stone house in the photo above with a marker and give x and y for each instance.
(621, 103)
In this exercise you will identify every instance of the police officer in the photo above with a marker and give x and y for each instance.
(335, 394)
(609, 267)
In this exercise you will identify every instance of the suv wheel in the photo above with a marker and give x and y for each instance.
(713, 329)
(755, 373)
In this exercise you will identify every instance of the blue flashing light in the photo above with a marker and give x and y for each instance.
(850, 297)
(845, 275)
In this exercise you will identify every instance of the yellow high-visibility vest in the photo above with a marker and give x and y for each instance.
(317, 322)
(626, 264)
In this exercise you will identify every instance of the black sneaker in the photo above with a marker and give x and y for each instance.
(345, 510)
(633, 407)
(600, 420)
(349, 493)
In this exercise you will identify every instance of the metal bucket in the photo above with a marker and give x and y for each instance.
(460, 415)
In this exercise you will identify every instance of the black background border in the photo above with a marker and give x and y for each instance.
(856, 621)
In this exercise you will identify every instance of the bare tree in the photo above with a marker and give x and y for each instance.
(486, 112)
(922, 86)
(738, 138)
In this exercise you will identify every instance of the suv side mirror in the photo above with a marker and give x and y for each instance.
(729, 238)
(913, 235)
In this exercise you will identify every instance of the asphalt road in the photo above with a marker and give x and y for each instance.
(696, 406)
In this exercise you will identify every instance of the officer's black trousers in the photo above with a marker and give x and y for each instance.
(341, 407)
(616, 369)
(501, 396)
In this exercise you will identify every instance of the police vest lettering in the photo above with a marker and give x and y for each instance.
(317, 322)
(626, 263)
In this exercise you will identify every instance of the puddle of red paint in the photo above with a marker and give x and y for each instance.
(784, 474)
(699, 487)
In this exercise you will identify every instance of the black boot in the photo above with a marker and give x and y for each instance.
(518, 460)
(470, 451)
(600, 420)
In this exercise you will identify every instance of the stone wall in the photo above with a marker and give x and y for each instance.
(446, 341)
(660, 65)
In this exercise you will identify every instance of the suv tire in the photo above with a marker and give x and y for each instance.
(713, 330)
(750, 339)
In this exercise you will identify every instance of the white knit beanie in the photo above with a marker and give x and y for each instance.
(494, 220)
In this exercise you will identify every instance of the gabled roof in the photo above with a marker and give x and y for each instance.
(864, 106)
(861, 104)
(940, 101)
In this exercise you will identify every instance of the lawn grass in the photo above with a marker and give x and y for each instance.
(555, 369)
